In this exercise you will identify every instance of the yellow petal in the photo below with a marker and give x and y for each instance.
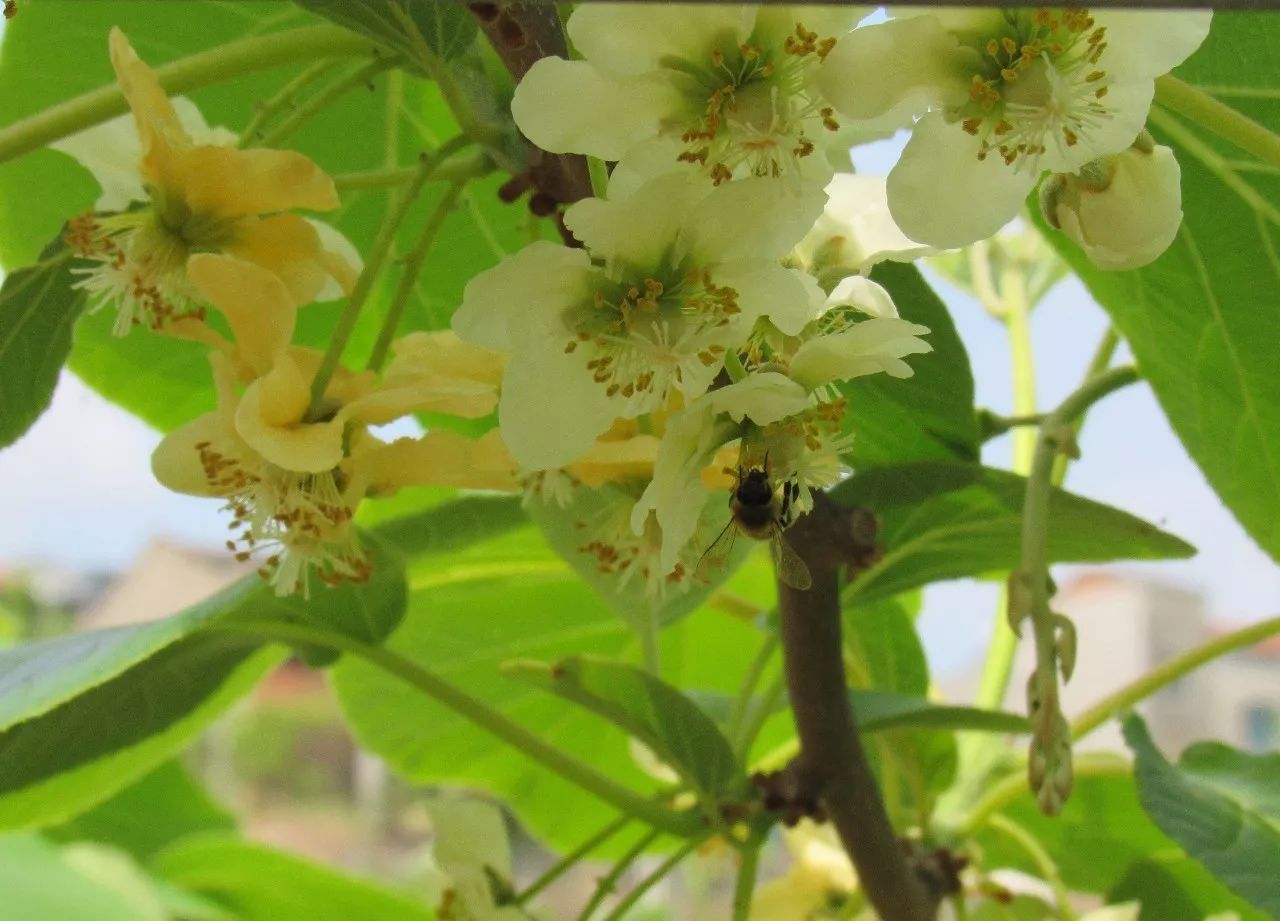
(611, 461)
(159, 128)
(465, 399)
(435, 372)
(345, 387)
(443, 355)
(441, 458)
(301, 447)
(255, 302)
(233, 183)
(176, 461)
(195, 330)
(288, 246)
(283, 394)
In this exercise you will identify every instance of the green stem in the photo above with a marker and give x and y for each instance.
(733, 366)
(753, 721)
(1218, 117)
(373, 267)
(389, 178)
(1011, 786)
(599, 173)
(227, 62)
(326, 98)
(391, 131)
(750, 681)
(282, 99)
(566, 863)
(413, 263)
(1170, 672)
(745, 885)
(1044, 863)
(994, 425)
(609, 881)
(462, 703)
(650, 649)
(1100, 361)
(637, 893)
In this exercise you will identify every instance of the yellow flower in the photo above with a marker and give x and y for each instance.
(202, 197)
(817, 885)
(293, 477)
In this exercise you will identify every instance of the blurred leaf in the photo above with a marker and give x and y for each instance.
(930, 414)
(879, 710)
(1173, 887)
(260, 884)
(652, 711)
(882, 649)
(156, 810)
(451, 525)
(1212, 808)
(404, 26)
(39, 884)
(38, 307)
(1202, 318)
(941, 520)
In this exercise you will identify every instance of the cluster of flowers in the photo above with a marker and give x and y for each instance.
(188, 222)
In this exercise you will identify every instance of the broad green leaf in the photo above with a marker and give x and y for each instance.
(1101, 831)
(1202, 318)
(944, 520)
(451, 525)
(408, 27)
(512, 598)
(260, 884)
(145, 816)
(930, 414)
(649, 709)
(1212, 808)
(1173, 887)
(39, 883)
(38, 307)
(881, 710)
(882, 649)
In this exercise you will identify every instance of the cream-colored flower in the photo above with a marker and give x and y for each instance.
(816, 885)
(200, 196)
(472, 850)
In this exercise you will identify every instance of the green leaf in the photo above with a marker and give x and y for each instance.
(260, 884)
(155, 811)
(930, 414)
(881, 710)
(404, 26)
(1202, 318)
(1212, 808)
(639, 704)
(1173, 887)
(38, 306)
(882, 648)
(944, 520)
(452, 525)
(38, 882)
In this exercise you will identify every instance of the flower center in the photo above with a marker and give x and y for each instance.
(1038, 85)
(758, 108)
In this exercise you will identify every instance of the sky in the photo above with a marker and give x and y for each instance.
(77, 490)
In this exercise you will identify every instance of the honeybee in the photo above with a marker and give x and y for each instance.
(762, 511)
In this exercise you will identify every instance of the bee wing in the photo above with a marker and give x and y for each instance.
(716, 554)
(791, 569)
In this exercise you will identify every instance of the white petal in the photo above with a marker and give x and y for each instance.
(880, 68)
(1148, 43)
(760, 218)
(469, 833)
(941, 194)
(874, 345)
(858, 226)
(864, 294)
(336, 245)
(648, 160)
(632, 39)
(575, 107)
(536, 283)
(763, 397)
(774, 24)
(1127, 107)
(637, 231)
(788, 297)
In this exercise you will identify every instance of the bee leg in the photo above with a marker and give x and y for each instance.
(790, 491)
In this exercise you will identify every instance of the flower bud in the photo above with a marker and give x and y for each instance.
(1124, 210)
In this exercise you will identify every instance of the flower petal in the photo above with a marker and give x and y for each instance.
(255, 302)
(755, 218)
(763, 397)
(941, 194)
(856, 230)
(287, 245)
(874, 345)
(637, 231)
(1148, 43)
(341, 259)
(301, 447)
(788, 297)
(631, 39)
(912, 62)
(541, 280)
(1127, 108)
(159, 130)
(609, 114)
(611, 461)
(176, 460)
(232, 183)
(864, 294)
(441, 458)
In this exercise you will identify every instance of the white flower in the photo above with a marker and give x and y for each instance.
(819, 879)
(1123, 210)
(732, 84)
(856, 230)
(472, 849)
(671, 278)
(1009, 93)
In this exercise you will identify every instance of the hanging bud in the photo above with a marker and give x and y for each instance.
(1123, 210)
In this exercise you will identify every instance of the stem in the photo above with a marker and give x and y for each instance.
(754, 721)
(1012, 786)
(1168, 673)
(413, 263)
(570, 859)
(235, 59)
(831, 749)
(650, 651)
(1100, 361)
(994, 424)
(282, 99)
(377, 257)
(1044, 863)
(750, 681)
(733, 366)
(388, 178)
(478, 712)
(1218, 117)
(325, 98)
(610, 879)
(599, 173)
(745, 885)
(637, 893)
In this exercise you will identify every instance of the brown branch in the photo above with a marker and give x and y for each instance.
(831, 751)
(521, 34)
